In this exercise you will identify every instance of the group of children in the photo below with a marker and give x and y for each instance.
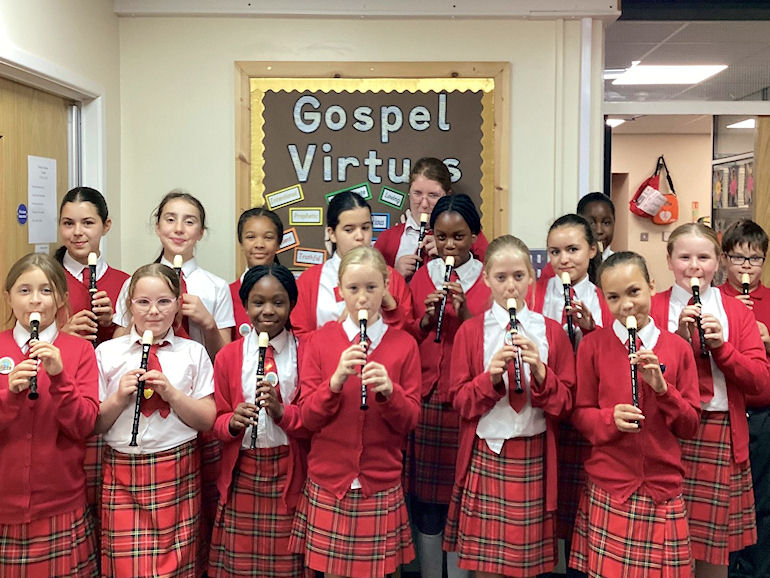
(498, 406)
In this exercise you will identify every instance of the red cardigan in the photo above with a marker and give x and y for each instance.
(348, 442)
(241, 317)
(389, 241)
(473, 394)
(79, 297)
(741, 358)
(228, 393)
(43, 442)
(436, 357)
(304, 318)
(649, 461)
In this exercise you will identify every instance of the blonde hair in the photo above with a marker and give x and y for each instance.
(53, 271)
(162, 272)
(508, 243)
(364, 255)
(698, 230)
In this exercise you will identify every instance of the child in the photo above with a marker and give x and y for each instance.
(456, 225)
(500, 519)
(349, 224)
(429, 180)
(43, 522)
(744, 246)
(151, 495)
(352, 519)
(259, 487)
(632, 519)
(260, 232)
(572, 249)
(599, 211)
(717, 488)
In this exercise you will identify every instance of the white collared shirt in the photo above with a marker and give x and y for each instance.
(648, 334)
(21, 335)
(410, 238)
(269, 435)
(711, 302)
(585, 291)
(76, 268)
(188, 368)
(327, 307)
(606, 253)
(502, 422)
(213, 291)
(468, 272)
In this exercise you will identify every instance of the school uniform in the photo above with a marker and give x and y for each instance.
(404, 238)
(719, 498)
(259, 488)
(151, 495)
(501, 516)
(572, 447)
(109, 280)
(433, 454)
(319, 300)
(242, 321)
(44, 525)
(632, 519)
(351, 519)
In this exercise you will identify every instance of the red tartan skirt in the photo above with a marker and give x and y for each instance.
(93, 467)
(356, 536)
(718, 492)
(497, 521)
(151, 513)
(211, 456)
(62, 545)
(633, 539)
(432, 455)
(572, 451)
(251, 533)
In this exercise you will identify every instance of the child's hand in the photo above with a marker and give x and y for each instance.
(49, 356)
(407, 265)
(432, 304)
(128, 386)
(458, 299)
(499, 363)
(161, 385)
(712, 331)
(350, 360)
(687, 320)
(375, 378)
(649, 369)
(244, 415)
(18, 379)
(267, 397)
(581, 315)
(746, 300)
(429, 245)
(102, 307)
(625, 415)
(530, 354)
(765, 335)
(194, 309)
(83, 324)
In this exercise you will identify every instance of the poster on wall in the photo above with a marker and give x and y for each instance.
(314, 138)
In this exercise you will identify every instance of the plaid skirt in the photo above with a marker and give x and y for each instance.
(572, 451)
(151, 513)
(634, 539)
(354, 536)
(433, 453)
(62, 545)
(211, 456)
(251, 533)
(497, 522)
(718, 492)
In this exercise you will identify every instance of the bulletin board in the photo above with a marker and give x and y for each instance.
(312, 137)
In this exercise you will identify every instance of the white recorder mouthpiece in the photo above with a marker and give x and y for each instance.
(147, 337)
(178, 261)
(450, 261)
(92, 258)
(745, 279)
(363, 315)
(694, 282)
(34, 316)
(511, 303)
(565, 279)
(630, 322)
(423, 217)
(263, 339)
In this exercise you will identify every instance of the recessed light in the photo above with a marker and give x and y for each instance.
(748, 123)
(613, 122)
(664, 74)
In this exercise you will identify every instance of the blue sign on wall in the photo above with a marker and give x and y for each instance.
(21, 214)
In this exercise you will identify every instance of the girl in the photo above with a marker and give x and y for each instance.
(151, 496)
(43, 523)
(500, 520)
(352, 519)
(429, 180)
(349, 225)
(572, 249)
(456, 225)
(632, 519)
(260, 232)
(259, 488)
(717, 488)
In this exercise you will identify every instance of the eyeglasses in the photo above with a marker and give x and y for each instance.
(418, 196)
(163, 304)
(754, 260)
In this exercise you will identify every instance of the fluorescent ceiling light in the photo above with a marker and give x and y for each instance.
(613, 122)
(748, 123)
(644, 74)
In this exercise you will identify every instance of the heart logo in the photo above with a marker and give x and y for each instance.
(665, 216)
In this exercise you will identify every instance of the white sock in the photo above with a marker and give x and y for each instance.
(451, 567)
(430, 554)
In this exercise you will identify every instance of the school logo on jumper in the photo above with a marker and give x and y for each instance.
(6, 365)
(244, 329)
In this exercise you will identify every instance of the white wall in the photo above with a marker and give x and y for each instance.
(177, 98)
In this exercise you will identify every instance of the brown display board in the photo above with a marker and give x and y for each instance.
(314, 137)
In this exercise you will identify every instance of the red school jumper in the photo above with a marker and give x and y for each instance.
(42, 447)
(634, 479)
(389, 241)
(722, 514)
(242, 321)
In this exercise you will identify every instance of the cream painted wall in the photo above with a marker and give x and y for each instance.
(177, 99)
(689, 158)
(77, 39)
